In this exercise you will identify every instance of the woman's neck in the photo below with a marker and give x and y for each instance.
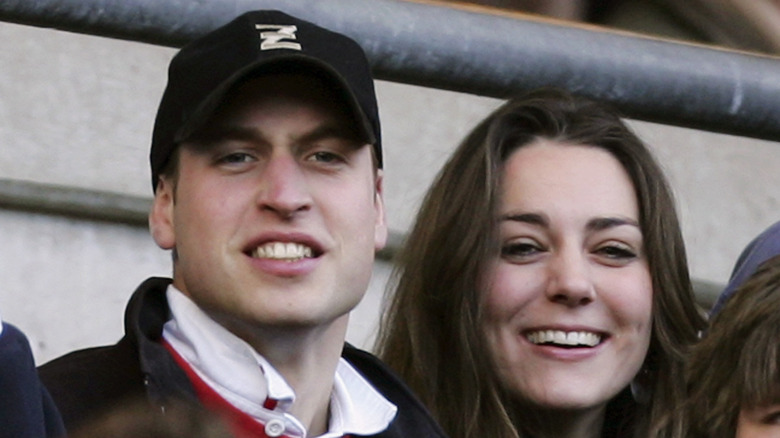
(567, 423)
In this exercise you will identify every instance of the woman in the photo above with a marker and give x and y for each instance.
(543, 290)
(733, 374)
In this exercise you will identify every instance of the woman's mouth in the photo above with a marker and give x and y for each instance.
(566, 339)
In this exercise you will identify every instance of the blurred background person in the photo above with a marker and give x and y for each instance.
(26, 408)
(734, 372)
(139, 418)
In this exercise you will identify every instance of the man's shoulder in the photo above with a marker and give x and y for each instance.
(145, 314)
(83, 383)
(89, 381)
(412, 419)
(110, 360)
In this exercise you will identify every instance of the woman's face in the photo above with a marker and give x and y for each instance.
(568, 300)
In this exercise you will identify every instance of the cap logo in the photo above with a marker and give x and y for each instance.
(277, 36)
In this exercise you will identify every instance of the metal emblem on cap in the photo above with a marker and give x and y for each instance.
(273, 36)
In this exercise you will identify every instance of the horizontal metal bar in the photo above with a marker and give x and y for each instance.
(476, 52)
(74, 202)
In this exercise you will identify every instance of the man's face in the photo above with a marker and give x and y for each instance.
(276, 210)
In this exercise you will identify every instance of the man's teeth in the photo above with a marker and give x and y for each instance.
(564, 338)
(282, 251)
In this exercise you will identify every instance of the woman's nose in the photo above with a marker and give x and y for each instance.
(570, 280)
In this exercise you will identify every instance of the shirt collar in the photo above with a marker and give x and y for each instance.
(230, 366)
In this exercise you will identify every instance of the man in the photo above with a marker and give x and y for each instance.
(266, 164)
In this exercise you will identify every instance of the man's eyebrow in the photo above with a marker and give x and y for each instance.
(529, 218)
(603, 223)
(232, 131)
(229, 131)
(331, 130)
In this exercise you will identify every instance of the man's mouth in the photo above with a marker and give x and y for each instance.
(561, 338)
(286, 251)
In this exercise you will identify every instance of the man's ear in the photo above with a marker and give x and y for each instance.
(161, 215)
(380, 224)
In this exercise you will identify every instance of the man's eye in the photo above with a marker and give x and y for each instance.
(325, 157)
(236, 158)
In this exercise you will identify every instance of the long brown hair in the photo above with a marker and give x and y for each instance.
(431, 333)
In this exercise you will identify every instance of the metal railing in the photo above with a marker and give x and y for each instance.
(476, 52)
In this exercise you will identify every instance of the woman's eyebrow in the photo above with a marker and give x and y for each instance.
(529, 218)
(603, 223)
(595, 224)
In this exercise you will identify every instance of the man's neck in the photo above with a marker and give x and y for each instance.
(307, 359)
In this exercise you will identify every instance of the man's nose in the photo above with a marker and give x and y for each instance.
(284, 188)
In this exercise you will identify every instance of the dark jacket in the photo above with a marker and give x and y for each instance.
(87, 382)
(26, 409)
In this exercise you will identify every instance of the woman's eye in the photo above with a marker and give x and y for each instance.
(520, 250)
(772, 417)
(618, 252)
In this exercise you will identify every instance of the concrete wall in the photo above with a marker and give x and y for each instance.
(77, 111)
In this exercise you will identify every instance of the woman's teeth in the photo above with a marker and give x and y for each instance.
(569, 339)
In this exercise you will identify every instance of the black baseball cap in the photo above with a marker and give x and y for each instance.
(203, 71)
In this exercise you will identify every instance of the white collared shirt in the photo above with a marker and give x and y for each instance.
(245, 379)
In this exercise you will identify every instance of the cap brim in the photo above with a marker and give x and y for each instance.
(297, 63)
